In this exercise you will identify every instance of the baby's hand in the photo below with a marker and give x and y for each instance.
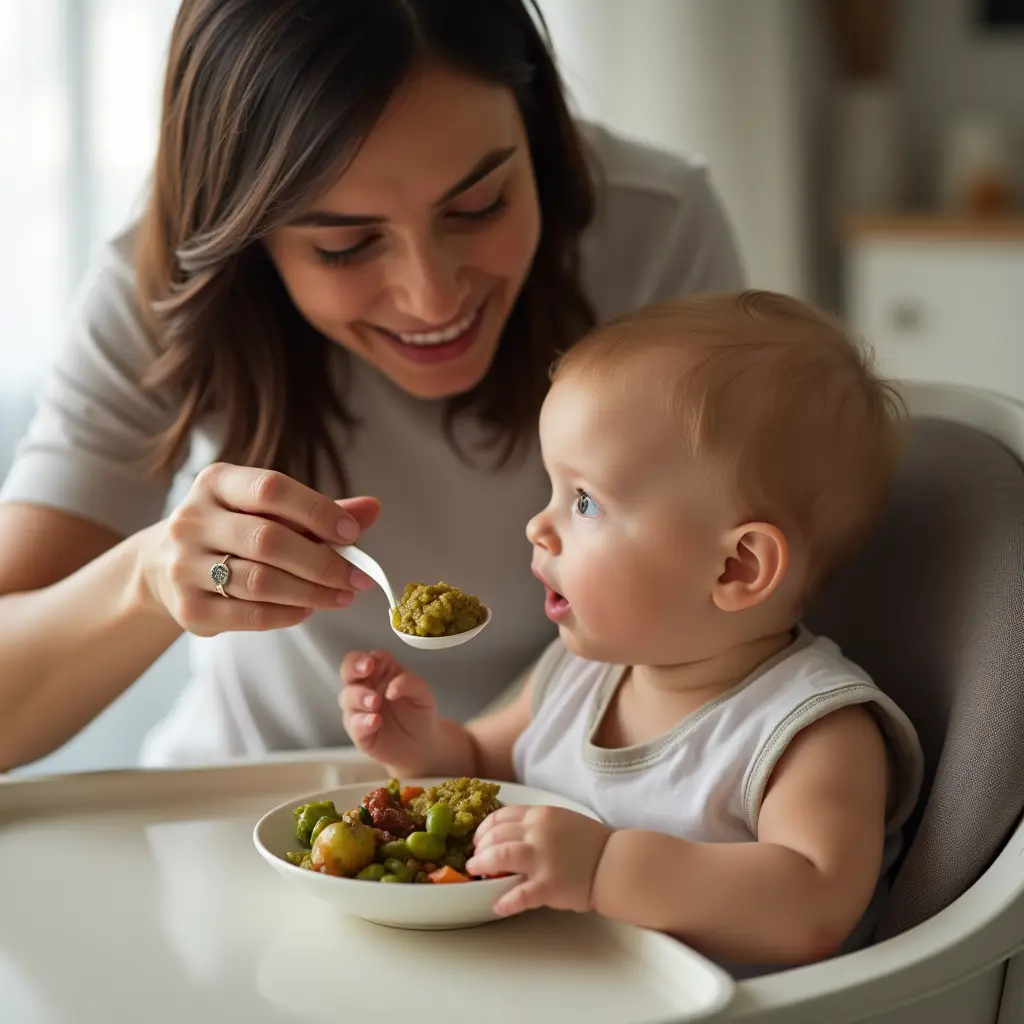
(389, 713)
(557, 850)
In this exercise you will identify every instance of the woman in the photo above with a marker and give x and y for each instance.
(372, 226)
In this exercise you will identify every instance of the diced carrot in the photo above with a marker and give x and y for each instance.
(446, 875)
(409, 793)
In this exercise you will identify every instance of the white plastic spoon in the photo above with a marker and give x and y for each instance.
(361, 560)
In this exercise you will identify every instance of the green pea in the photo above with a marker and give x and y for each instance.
(372, 873)
(399, 848)
(439, 820)
(425, 846)
(393, 879)
(321, 824)
(394, 866)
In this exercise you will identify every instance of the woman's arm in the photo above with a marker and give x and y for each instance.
(84, 611)
(76, 626)
(82, 616)
(795, 894)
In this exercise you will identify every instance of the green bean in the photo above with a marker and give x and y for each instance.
(295, 856)
(372, 873)
(399, 848)
(439, 820)
(393, 879)
(395, 789)
(425, 846)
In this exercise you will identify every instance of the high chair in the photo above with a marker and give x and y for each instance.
(934, 610)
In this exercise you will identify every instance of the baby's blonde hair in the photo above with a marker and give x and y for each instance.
(780, 399)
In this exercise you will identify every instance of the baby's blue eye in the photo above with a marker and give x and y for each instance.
(586, 506)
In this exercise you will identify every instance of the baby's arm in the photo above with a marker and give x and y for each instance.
(391, 716)
(795, 894)
(481, 748)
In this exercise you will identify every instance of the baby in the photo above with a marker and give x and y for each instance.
(712, 462)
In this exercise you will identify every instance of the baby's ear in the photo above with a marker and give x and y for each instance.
(756, 562)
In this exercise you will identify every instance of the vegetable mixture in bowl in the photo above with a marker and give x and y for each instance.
(292, 834)
(437, 610)
(397, 834)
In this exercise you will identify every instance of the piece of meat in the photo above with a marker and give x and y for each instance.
(392, 820)
(387, 817)
(379, 797)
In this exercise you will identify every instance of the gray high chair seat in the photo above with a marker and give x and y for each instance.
(934, 610)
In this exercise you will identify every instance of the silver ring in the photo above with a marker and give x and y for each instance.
(221, 576)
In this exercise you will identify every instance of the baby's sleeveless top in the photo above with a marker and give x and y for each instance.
(704, 779)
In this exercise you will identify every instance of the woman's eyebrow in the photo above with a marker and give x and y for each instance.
(487, 164)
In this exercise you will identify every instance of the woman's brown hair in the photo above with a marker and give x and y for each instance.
(264, 101)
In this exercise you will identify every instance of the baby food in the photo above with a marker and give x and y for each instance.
(437, 610)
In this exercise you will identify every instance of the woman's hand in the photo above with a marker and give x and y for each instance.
(276, 536)
(389, 713)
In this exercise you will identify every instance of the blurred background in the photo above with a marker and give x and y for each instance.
(870, 154)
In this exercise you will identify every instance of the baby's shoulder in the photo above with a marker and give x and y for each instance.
(824, 711)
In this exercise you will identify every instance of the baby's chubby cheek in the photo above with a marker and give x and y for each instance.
(619, 612)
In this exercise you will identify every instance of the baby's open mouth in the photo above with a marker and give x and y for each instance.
(555, 605)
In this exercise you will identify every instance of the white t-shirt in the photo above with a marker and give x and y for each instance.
(658, 233)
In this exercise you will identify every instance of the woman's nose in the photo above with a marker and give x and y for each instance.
(428, 287)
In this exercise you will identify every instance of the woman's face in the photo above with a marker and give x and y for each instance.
(413, 259)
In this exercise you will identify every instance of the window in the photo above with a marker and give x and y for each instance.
(80, 84)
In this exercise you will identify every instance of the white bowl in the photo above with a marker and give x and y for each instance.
(420, 907)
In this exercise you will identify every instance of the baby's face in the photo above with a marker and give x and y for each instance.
(629, 547)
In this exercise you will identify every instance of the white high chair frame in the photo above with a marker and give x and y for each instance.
(965, 965)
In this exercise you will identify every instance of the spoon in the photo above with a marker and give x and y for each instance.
(361, 560)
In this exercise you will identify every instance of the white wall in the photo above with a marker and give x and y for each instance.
(729, 79)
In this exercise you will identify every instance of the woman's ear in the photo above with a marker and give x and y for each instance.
(756, 563)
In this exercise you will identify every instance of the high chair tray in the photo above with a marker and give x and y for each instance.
(139, 896)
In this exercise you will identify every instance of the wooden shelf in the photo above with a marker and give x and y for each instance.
(934, 225)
